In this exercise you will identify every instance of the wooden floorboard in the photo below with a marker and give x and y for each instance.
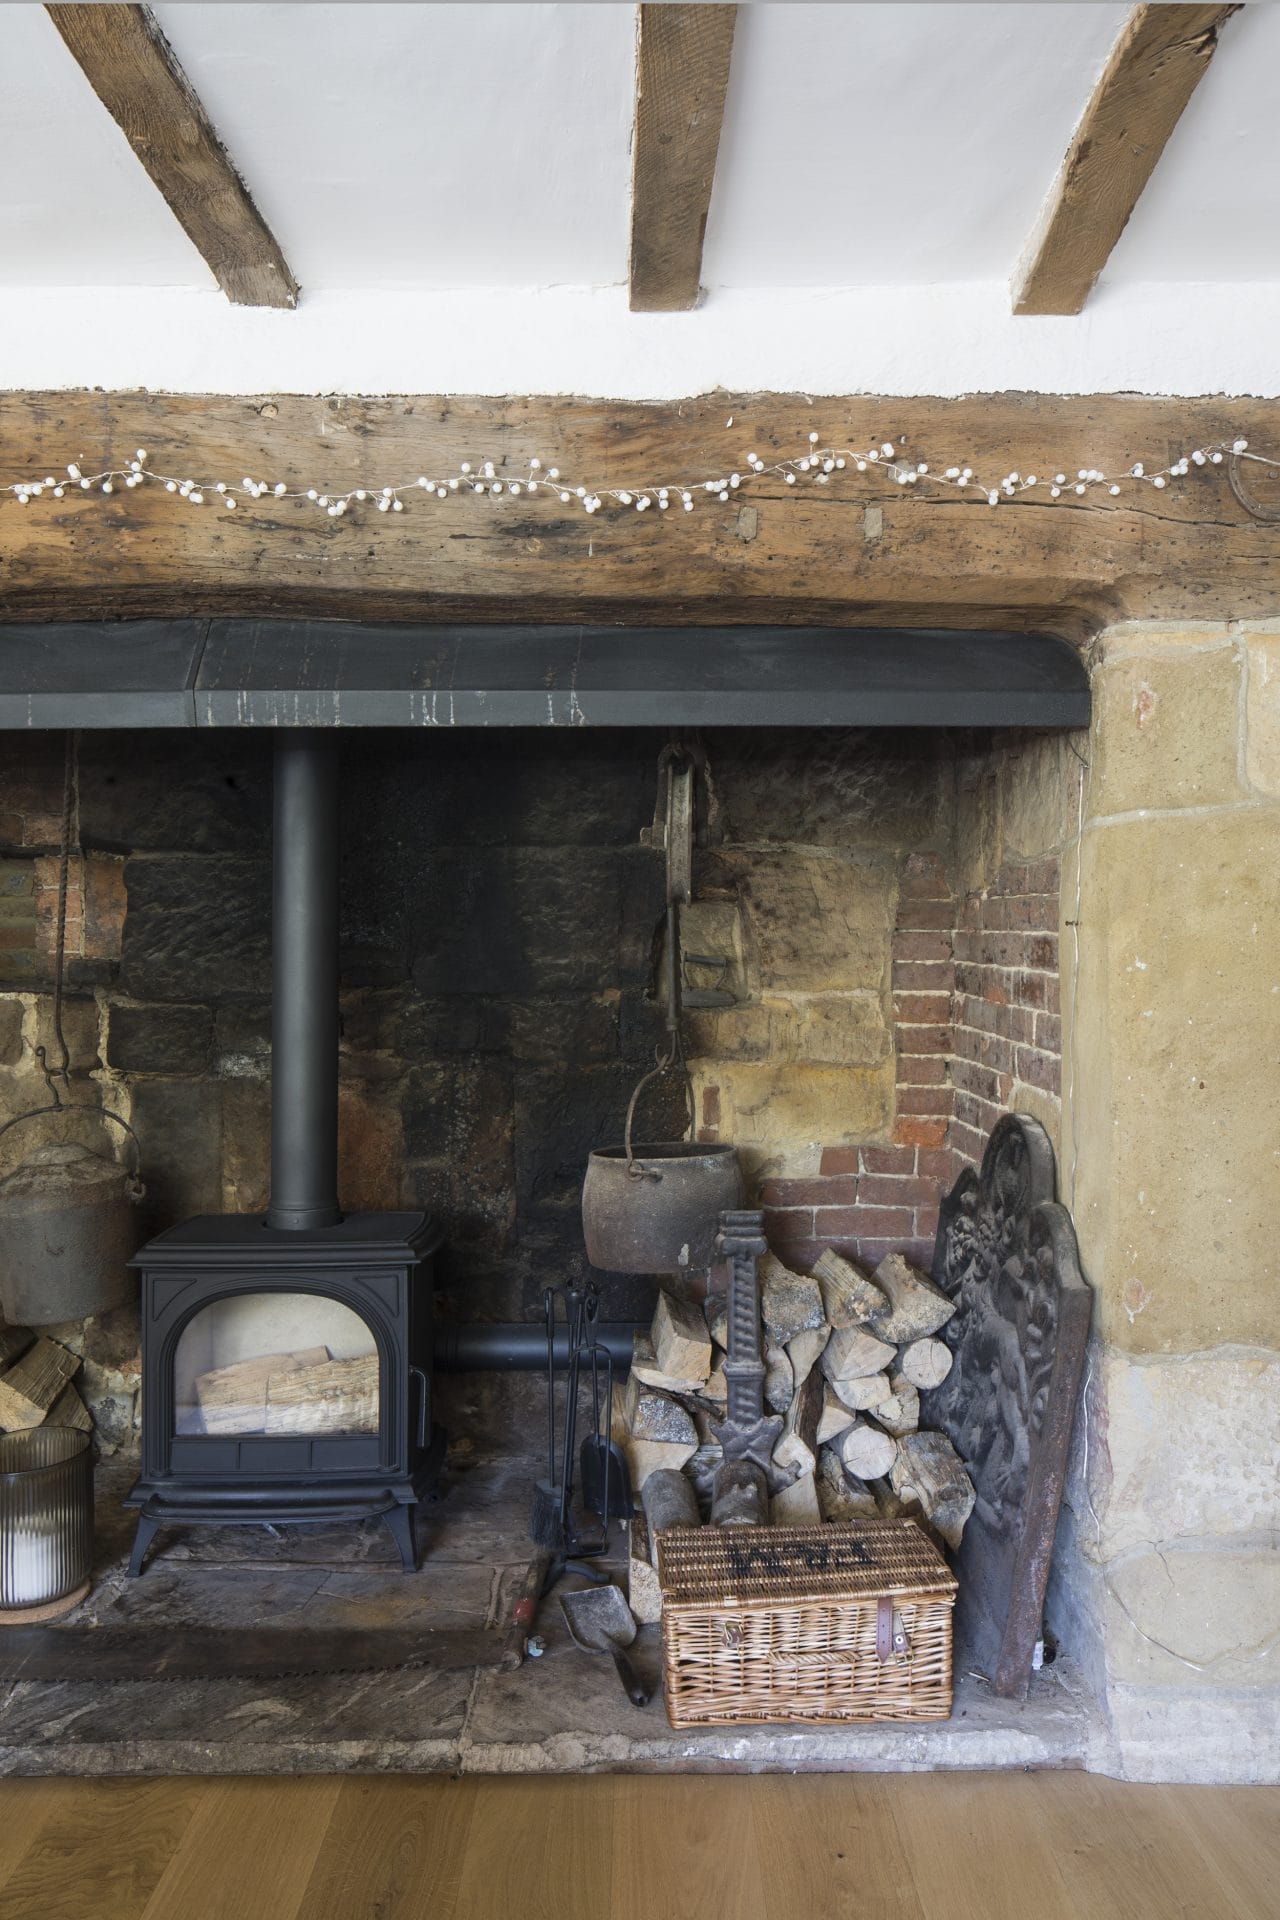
(951, 1846)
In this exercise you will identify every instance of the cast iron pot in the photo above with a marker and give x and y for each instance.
(68, 1227)
(656, 1209)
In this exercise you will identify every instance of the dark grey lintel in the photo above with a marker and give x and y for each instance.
(285, 673)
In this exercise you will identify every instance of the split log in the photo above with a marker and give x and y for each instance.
(841, 1497)
(333, 1396)
(645, 1368)
(796, 1505)
(69, 1410)
(867, 1450)
(865, 1392)
(916, 1307)
(644, 1591)
(805, 1350)
(852, 1352)
(900, 1412)
(14, 1341)
(797, 1447)
(717, 1387)
(651, 1415)
(790, 1303)
(925, 1363)
(850, 1297)
(647, 1456)
(779, 1377)
(835, 1416)
(33, 1383)
(716, 1311)
(928, 1469)
(233, 1399)
(681, 1342)
(885, 1500)
(669, 1501)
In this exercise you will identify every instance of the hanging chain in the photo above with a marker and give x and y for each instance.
(70, 768)
(62, 1072)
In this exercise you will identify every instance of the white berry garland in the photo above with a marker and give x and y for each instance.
(817, 465)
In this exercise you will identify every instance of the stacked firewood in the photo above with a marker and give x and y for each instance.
(847, 1355)
(36, 1383)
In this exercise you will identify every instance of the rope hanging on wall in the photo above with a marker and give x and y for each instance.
(817, 465)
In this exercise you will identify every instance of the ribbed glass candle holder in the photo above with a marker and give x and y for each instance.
(46, 1515)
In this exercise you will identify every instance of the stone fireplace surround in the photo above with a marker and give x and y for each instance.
(867, 1061)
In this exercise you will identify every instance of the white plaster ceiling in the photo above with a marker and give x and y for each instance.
(881, 170)
(444, 146)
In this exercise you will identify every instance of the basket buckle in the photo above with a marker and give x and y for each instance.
(892, 1642)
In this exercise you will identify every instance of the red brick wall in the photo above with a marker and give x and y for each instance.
(1006, 1030)
(975, 1006)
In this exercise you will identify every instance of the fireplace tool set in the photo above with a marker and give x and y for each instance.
(606, 1481)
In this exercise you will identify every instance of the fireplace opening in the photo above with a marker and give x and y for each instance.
(871, 954)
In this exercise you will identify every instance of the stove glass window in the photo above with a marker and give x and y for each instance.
(276, 1363)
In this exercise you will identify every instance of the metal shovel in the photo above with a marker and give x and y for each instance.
(600, 1621)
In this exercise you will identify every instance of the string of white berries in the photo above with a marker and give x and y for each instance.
(817, 465)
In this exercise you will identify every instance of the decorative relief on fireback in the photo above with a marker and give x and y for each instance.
(1006, 1252)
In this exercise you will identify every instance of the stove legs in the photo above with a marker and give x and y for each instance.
(399, 1523)
(146, 1533)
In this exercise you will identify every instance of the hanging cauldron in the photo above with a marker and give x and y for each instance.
(68, 1228)
(656, 1208)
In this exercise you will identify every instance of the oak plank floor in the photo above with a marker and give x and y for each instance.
(953, 1846)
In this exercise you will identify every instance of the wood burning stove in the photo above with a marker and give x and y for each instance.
(286, 1360)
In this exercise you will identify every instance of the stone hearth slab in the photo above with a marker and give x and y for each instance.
(563, 1713)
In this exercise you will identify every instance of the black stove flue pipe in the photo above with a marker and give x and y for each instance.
(304, 983)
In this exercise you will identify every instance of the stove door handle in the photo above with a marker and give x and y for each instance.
(417, 1374)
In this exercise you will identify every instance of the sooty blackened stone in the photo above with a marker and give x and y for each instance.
(179, 1126)
(210, 795)
(403, 1024)
(460, 1114)
(242, 1034)
(561, 1115)
(642, 879)
(197, 927)
(551, 1032)
(514, 924)
(10, 1032)
(165, 1039)
(829, 787)
(523, 789)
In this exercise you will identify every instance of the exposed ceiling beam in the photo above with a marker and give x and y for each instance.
(1153, 71)
(132, 69)
(682, 69)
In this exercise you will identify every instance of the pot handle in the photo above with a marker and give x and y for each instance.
(136, 1188)
(634, 1168)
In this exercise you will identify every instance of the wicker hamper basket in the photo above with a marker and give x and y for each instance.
(819, 1623)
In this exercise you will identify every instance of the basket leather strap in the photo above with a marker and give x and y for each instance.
(890, 1644)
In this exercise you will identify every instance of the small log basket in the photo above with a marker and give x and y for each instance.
(827, 1623)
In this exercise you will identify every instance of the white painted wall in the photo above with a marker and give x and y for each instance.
(891, 340)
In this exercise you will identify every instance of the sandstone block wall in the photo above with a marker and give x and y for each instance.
(1168, 1572)
(973, 1012)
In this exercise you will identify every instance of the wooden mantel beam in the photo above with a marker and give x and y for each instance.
(860, 550)
(682, 70)
(132, 69)
(1153, 71)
